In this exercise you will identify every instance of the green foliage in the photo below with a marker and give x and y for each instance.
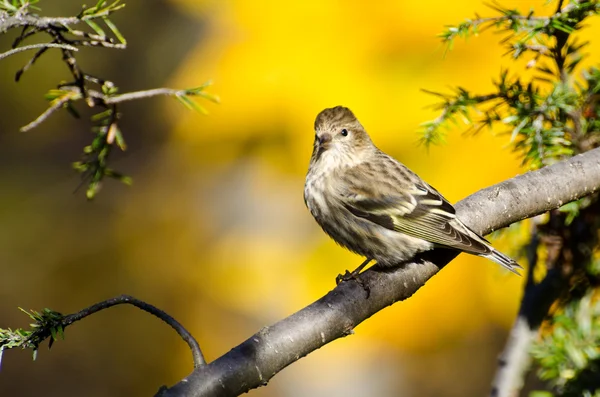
(527, 33)
(550, 116)
(47, 324)
(93, 91)
(100, 10)
(569, 355)
(184, 96)
(551, 113)
(594, 268)
(14, 6)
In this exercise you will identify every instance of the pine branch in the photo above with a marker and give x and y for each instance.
(51, 324)
(66, 35)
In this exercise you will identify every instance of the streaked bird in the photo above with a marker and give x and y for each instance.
(375, 206)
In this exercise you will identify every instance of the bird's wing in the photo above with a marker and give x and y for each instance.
(409, 206)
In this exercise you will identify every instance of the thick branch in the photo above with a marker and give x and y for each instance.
(259, 358)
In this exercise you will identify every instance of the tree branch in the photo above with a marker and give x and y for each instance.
(8, 22)
(107, 100)
(37, 47)
(57, 105)
(127, 299)
(131, 96)
(335, 315)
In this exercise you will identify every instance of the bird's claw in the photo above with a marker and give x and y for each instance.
(345, 277)
(352, 276)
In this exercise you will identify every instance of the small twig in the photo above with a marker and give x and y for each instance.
(53, 108)
(197, 355)
(25, 33)
(30, 63)
(505, 18)
(37, 46)
(93, 79)
(102, 99)
(131, 96)
(540, 49)
(98, 43)
(89, 36)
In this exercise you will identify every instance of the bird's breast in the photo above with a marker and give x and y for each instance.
(317, 194)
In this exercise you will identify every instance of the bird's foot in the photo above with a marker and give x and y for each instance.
(348, 276)
(353, 276)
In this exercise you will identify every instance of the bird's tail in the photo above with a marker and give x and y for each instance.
(481, 247)
(503, 261)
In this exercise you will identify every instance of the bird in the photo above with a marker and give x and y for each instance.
(373, 205)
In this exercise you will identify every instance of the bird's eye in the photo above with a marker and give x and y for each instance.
(344, 132)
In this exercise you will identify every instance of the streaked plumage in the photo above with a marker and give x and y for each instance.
(373, 205)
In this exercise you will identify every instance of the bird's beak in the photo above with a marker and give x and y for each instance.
(324, 140)
(322, 144)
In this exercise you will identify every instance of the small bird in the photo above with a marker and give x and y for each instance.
(375, 206)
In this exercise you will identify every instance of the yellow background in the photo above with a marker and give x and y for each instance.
(214, 229)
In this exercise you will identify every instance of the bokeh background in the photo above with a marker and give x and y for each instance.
(214, 229)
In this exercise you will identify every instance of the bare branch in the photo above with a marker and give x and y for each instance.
(131, 96)
(126, 299)
(8, 22)
(37, 46)
(335, 315)
(58, 103)
(106, 100)
(99, 43)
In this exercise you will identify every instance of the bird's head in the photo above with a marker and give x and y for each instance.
(340, 137)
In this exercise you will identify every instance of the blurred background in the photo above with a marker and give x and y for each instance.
(214, 229)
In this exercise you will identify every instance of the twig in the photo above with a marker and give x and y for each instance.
(131, 96)
(253, 363)
(37, 46)
(53, 108)
(511, 17)
(98, 43)
(197, 355)
(104, 99)
(30, 63)
(540, 49)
